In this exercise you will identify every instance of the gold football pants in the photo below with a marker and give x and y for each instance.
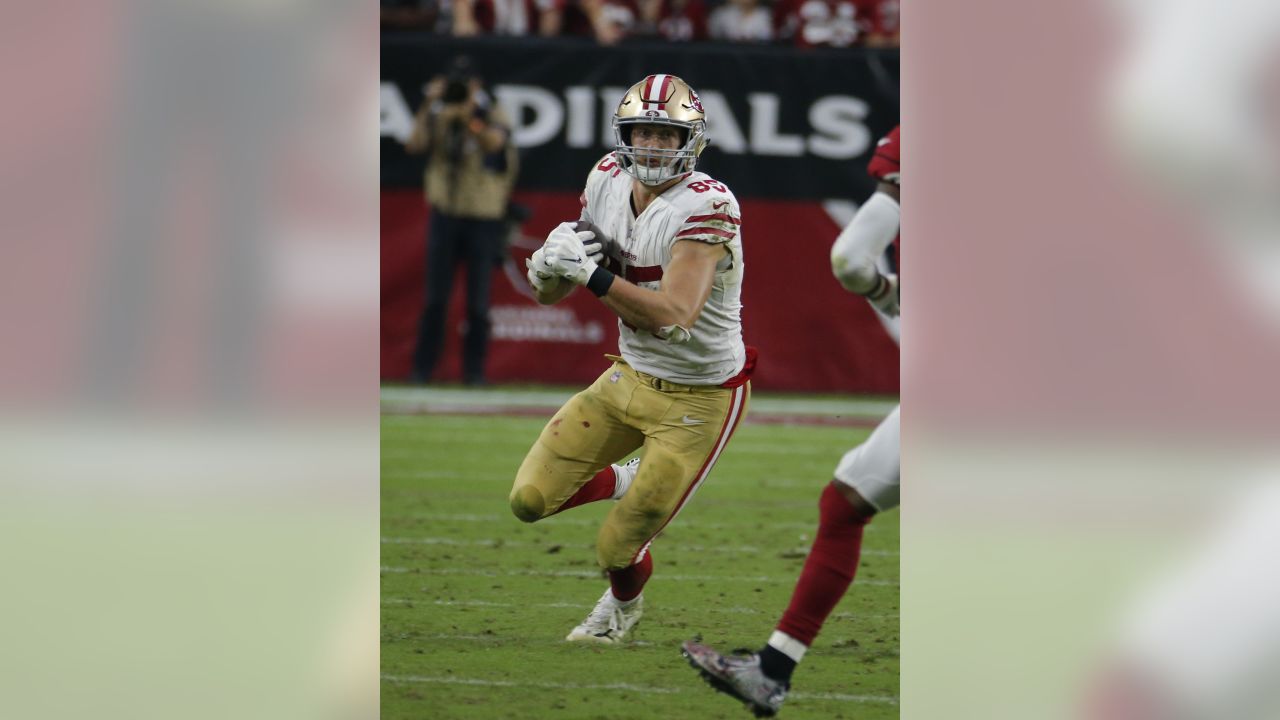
(682, 429)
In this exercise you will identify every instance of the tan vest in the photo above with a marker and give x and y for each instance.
(472, 190)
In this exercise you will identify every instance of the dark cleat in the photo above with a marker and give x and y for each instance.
(737, 675)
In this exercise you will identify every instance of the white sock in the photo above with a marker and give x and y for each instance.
(787, 645)
(623, 476)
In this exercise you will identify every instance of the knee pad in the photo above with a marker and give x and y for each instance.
(528, 504)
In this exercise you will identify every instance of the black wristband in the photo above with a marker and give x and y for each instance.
(600, 281)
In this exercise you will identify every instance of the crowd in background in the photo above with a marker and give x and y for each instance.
(802, 23)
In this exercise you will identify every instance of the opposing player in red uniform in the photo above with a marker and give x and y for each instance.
(866, 480)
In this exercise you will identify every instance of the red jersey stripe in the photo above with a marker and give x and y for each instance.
(642, 273)
(722, 217)
(693, 232)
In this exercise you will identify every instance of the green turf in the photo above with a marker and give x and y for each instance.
(475, 604)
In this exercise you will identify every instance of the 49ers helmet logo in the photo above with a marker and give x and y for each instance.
(696, 102)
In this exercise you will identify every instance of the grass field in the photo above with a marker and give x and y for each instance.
(475, 604)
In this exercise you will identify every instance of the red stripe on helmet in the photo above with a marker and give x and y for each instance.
(648, 88)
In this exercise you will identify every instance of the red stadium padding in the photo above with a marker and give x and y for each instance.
(812, 335)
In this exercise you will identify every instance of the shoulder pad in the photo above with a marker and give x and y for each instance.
(711, 215)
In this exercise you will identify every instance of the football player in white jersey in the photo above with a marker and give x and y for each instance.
(660, 244)
(866, 480)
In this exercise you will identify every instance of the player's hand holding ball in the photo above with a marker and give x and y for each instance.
(542, 275)
(541, 279)
(571, 254)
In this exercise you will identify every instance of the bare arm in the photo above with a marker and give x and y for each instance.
(607, 32)
(492, 138)
(686, 285)
(464, 19)
(420, 138)
(490, 132)
(550, 21)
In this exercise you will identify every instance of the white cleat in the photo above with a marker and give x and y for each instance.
(610, 621)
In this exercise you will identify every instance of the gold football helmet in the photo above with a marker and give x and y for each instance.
(661, 100)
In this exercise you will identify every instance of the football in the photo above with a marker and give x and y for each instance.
(605, 242)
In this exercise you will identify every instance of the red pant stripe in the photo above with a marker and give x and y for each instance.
(736, 408)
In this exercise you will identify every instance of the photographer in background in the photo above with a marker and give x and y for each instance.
(471, 168)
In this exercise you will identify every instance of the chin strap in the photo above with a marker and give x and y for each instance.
(630, 164)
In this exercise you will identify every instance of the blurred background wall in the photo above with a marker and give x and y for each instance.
(791, 132)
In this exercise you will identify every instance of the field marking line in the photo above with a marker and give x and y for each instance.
(414, 411)
(537, 684)
(596, 574)
(773, 484)
(481, 603)
(761, 503)
(835, 697)
(499, 543)
(687, 523)
(550, 399)
(432, 475)
(588, 606)
(798, 448)
(500, 638)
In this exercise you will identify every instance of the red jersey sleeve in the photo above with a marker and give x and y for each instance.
(885, 164)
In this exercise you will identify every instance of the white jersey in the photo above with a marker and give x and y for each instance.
(697, 208)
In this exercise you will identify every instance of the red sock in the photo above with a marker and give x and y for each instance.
(600, 487)
(629, 581)
(829, 568)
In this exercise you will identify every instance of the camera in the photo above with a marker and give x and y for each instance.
(456, 90)
(457, 84)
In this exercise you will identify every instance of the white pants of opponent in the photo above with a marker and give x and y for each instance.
(874, 467)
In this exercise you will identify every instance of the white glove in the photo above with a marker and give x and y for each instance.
(540, 279)
(885, 297)
(571, 254)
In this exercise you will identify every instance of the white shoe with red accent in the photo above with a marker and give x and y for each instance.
(610, 621)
